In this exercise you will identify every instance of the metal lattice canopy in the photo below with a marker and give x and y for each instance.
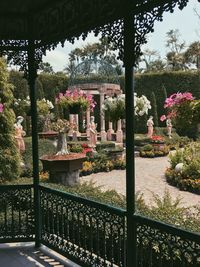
(94, 71)
(48, 22)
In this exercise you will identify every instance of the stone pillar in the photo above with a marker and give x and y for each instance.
(119, 133)
(88, 122)
(77, 124)
(110, 131)
(103, 132)
(71, 120)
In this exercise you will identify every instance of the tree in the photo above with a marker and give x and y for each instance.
(100, 50)
(175, 57)
(9, 155)
(46, 67)
(152, 61)
(21, 89)
(154, 110)
(192, 54)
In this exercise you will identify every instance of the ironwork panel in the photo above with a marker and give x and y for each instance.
(16, 213)
(90, 233)
(161, 245)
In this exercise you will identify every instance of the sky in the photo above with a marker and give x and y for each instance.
(186, 21)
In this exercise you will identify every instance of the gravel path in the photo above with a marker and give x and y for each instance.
(149, 178)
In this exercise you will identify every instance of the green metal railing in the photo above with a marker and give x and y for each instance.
(16, 213)
(163, 245)
(89, 233)
(94, 234)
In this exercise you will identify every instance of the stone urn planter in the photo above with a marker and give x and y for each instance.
(63, 169)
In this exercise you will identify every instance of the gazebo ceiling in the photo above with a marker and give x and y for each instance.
(49, 20)
(54, 20)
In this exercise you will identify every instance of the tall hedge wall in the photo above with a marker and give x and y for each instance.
(159, 83)
(170, 82)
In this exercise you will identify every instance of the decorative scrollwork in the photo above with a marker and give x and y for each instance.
(66, 20)
(158, 247)
(84, 232)
(16, 213)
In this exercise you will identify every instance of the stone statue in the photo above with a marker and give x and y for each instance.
(93, 133)
(150, 124)
(169, 128)
(19, 134)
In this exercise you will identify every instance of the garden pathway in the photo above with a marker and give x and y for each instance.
(149, 178)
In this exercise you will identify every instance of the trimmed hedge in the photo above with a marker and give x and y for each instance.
(159, 83)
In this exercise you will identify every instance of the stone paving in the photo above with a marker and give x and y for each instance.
(26, 255)
(149, 178)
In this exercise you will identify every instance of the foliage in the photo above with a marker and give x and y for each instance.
(105, 145)
(189, 177)
(192, 54)
(61, 126)
(147, 147)
(154, 111)
(45, 146)
(175, 56)
(145, 84)
(141, 139)
(44, 106)
(75, 99)
(9, 155)
(45, 67)
(184, 111)
(152, 61)
(151, 151)
(76, 148)
(21, 107)
(162, 208)
(100, 50)
(175, 141)
(114, 107)
(53, 84)
(20, 84)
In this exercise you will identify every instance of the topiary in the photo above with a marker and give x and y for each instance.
(9, 155)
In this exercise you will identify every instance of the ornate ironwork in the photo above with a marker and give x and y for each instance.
(16, 213)
(93, 234)
(94, 71)
(163, 245)
(67, 21)
(89, 233)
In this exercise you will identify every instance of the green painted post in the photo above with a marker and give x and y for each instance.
(32, 74)
(129, 33)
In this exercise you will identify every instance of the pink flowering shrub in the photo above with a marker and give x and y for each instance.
(76, 98)
(177, 99)
(184, 111)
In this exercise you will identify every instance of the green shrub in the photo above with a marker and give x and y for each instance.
(45, 147)
(147, 148)
(189, 177)
(9, 154)
(76, 148)
(119, 164)
(141, 139)
(176, 158)
(105, 145)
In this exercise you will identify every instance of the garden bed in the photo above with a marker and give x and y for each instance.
(184, 171)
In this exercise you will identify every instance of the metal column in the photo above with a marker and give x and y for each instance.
(129, 38)
(32, 74)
